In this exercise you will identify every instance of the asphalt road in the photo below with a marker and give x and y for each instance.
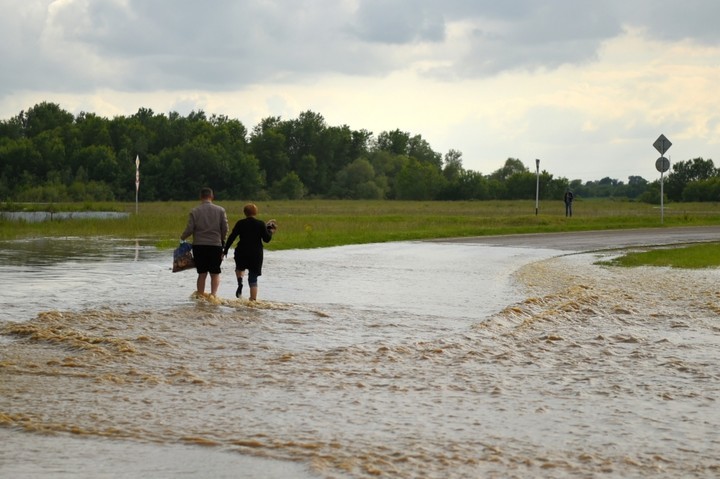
(599, 240)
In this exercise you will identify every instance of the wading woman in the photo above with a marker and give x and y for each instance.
(251, 232)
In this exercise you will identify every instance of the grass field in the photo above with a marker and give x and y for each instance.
(706, 255)
(321, 223)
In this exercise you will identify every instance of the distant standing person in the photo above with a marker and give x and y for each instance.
(208, 225)
(249, 251)
(569, 197)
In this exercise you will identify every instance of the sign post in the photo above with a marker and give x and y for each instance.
(537, 185)
(662, 164)
(137, 181)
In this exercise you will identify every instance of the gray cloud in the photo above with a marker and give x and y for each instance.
(398, 22)
(671, 20)
(225, 44)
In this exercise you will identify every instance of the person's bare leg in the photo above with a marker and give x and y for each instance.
(201, 283)
(253, 293)
(214, 284)
(239, 277)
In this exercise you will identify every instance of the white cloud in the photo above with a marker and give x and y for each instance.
(585, 86)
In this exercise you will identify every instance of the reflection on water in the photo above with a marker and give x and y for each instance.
(59, 251)
(40, 216)
(397, 360)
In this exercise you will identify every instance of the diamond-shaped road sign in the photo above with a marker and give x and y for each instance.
(662, 144)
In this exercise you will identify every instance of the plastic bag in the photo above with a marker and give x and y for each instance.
(183, 258)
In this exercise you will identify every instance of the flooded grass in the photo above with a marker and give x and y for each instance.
(323, 223)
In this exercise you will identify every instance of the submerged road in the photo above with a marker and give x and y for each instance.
(599, 240)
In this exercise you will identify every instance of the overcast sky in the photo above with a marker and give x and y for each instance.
(586, 86)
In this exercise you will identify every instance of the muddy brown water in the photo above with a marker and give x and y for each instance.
(417, 359)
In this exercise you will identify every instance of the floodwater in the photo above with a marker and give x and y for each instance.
(40, 216)
(403, 360)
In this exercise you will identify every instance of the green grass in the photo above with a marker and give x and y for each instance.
(705, 255)
(322, 223)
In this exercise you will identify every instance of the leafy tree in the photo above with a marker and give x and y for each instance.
(467, 185)
(521, 185)
(603, 188)
(552, 188)
(303, 135)
(419, 181)
(497, 189)
(268, 145)
(228, 133)
(45, 116)
(47, 154)
(288, 188)
(685, 172)
(511, 167)
(307, 170)
(51, 152)
(20, 160)
(652, 193)
(359, 142)
(5, 190)
(12, 128)
(472, 185)
(245, 178)
(401, 143)
(99, 162)
(357, 181)
(702, 190)
(636, 186)
(420, 149)
(453, 168)
(336, 148)
(389, 166)
(395, 142)
(92, 130)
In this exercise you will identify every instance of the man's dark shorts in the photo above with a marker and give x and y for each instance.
(207, 258)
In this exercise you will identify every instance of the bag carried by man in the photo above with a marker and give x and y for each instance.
(183, 258)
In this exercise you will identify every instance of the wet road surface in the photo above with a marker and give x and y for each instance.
(599, 240)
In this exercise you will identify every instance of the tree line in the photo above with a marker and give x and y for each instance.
(47, 154)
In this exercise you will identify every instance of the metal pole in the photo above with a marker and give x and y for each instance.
(662, 164)
(662, 198)
(537, 185)
(137, 181)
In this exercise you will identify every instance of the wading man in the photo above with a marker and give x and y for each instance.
(208, 226)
